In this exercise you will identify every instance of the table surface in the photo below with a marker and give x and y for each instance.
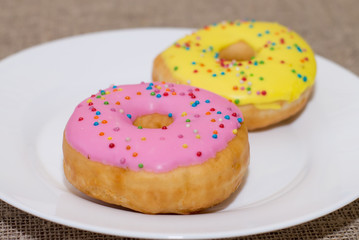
(328, 25)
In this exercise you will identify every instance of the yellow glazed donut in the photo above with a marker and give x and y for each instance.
(266, 69)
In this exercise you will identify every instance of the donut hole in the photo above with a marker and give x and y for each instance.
(154, 120)
(240, 51)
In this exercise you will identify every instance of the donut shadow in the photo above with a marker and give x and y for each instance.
(227, 202)
(289, 120)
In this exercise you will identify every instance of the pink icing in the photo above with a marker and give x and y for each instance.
(112, 139)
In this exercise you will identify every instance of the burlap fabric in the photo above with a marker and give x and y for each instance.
(329, 26)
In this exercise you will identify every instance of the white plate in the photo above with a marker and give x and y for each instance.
(299, 171)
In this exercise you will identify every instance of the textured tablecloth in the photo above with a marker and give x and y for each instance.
(329, 26)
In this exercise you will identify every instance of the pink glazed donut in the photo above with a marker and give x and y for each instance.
(156, 148)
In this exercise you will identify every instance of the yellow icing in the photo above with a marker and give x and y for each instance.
(268, 106)
(282, 69)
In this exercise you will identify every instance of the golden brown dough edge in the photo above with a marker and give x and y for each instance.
(255, 118)
(183, 190)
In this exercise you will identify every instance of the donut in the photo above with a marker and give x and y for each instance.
(156, 148)
(264, 68)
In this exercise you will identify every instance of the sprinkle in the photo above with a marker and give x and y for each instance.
(227, 117)
(106, 103)
(185, 146)
(139, 127)
(188, 120)
(221, 125)
(199, 154)
(127, 98)
(118, 103)
(153, 93)
(98, 113)
(129, 116)
(81, 118)
(164, 127)
(195, 131)
(116, 129)
(95, 123)
(127, 139)
(236, 101)
(109, 138)
(170, 115)
(239, 120)
(184, 114)
(122, 160)
(101, 134)
(143, 138)
(134, 154)
(214, 136)
(128, 147)
(111, 145)
(158, 96)
(180, 136)
(140, 165)
(198, 136)
(188, 125)
(175, 68)
(234, 131)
